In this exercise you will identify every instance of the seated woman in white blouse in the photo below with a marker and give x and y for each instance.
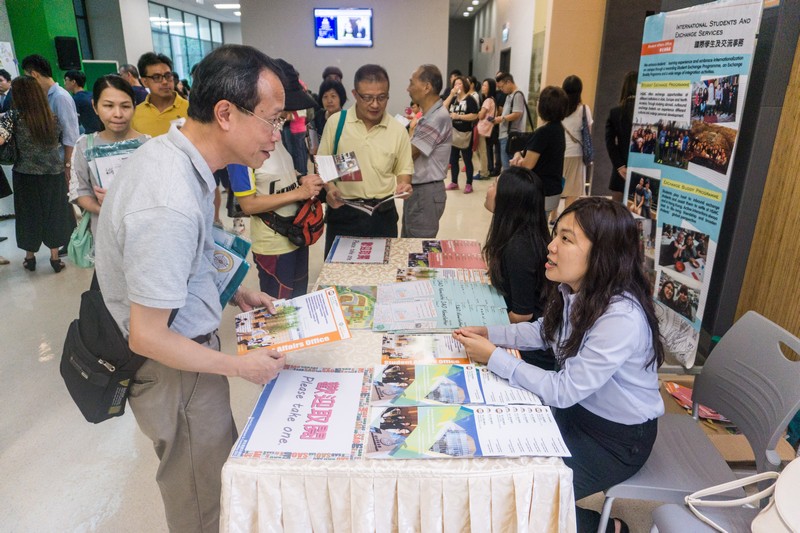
(602, 327)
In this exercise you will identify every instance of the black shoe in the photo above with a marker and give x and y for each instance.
(57, 264)
(62, 251)
(7, 217)
(30, 263)
(3, 239)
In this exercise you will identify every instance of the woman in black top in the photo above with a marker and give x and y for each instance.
(516, 250)
(618, 135)
(544, 153)
(464, 112)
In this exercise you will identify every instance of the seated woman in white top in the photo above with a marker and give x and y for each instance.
(602, 327)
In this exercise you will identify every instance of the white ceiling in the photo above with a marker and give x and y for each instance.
(458, 7)
(206, 8)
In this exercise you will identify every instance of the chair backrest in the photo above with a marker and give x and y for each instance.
(749, 380)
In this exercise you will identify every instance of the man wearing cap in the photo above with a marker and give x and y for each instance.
(430, 149)
(383, 152)
(154, 254)
(272, 191)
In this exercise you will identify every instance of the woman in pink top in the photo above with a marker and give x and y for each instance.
(486, 128)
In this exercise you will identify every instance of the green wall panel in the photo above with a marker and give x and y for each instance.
(36, 23)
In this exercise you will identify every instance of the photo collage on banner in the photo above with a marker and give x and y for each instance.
(692, 82)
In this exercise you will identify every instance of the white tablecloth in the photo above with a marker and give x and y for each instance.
(429, 495)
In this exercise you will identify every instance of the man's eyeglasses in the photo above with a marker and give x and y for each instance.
(275, 123)
(369, 98)
(158, 78)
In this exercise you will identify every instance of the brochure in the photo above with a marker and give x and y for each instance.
(309, 413)
(460, 274)
(359, 250)
(370, 209)
(454, 431)
(358, 304)
(309, 320)
(437, 305)
(455, 260)
(344, 166)
(432, 348)
(229, 255)
(404, 385)
(456, 253)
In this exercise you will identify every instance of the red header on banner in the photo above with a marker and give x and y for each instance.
(661, 47)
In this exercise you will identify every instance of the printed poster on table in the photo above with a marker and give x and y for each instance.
(309, 413)
(693, 78)
(359, 250)
(456, 431)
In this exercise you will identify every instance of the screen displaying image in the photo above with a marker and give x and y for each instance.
(342, 27)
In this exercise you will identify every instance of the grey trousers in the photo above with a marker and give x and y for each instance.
(188, 417)
(422, 211)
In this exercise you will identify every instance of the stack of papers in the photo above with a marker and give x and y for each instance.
(434, 348)
(309, 320)
(230, 251)
(358, 304)
(359, 250)
(437, 305)
(460, 253)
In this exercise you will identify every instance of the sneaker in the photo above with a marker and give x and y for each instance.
(478, 177)
(238, 226)
(468, 189)
(3, 260)
(452, 186)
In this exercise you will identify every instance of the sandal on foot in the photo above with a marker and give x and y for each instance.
(57, 264)
(29, 263)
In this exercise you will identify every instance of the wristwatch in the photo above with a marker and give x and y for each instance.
(68, 164)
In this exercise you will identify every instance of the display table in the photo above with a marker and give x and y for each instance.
(485, 494)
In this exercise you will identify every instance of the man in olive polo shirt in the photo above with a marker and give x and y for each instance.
(163, 105)
(383, 151)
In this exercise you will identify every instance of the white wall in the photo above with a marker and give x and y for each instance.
(232, 33)
(407, 33)
(135, 29)
(105, 27)
(489, 23)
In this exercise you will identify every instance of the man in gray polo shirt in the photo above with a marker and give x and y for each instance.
(154, 254)
(513, 116)
(430, 149)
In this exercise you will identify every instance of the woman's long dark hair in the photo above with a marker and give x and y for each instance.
(573, 86)
(31, 102)
(492, 87)
(615, 269)
(518, 209)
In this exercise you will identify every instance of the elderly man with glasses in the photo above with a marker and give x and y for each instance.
(383, 151)
(155, 254)
(163, 106)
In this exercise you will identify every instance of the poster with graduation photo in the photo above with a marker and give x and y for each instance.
(693, 77)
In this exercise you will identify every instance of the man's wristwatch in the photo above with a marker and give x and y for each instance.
(68, 165)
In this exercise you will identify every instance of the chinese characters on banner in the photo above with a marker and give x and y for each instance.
(693, 77)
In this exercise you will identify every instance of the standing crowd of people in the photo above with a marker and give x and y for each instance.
(572, 292)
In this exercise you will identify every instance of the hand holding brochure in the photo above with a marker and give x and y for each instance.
(344, 166)
(301, 322)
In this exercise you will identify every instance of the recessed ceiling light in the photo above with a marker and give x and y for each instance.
(237, 13)
(475, 2)
(227, 6)
(470, 8)
(466, 14)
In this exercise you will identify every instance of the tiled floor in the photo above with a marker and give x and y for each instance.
(60, 473)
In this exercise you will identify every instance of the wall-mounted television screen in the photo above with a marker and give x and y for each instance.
(342, 27)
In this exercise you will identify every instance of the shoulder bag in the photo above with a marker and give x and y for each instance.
(8, 151)
(779, 516)
(81, 243)
(517, 140)
(586, 136)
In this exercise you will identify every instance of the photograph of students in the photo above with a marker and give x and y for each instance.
(601, 324)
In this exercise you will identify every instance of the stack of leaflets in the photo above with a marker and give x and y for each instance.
(460, 274)
(359, 250)
(404, 385)
(437, 305)
(435, 348)
(309, 320)
(459, 253)
(358, 304)
(324, 414)
(230, 251)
